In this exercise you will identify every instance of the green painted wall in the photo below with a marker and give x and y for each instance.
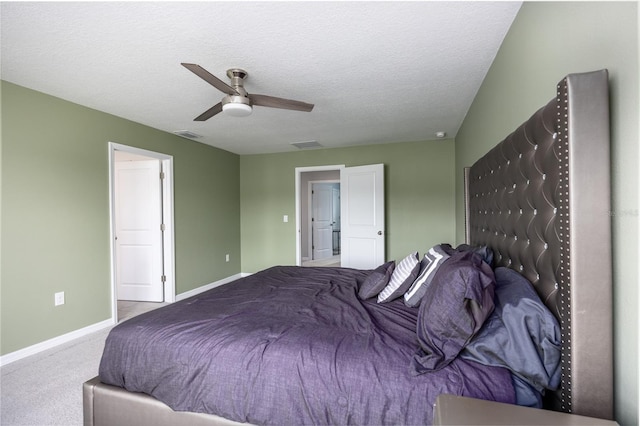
(54, 184)
(547, 41)
(55, 213)
(419, 198)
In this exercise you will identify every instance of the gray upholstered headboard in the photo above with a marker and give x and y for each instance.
(541, 200)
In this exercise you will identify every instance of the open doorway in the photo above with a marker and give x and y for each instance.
(141, 211)
(323, 222)
(326, 242)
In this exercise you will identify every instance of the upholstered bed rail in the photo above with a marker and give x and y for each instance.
(111, 405)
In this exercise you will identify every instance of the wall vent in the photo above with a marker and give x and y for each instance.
(187, 134)
(308, 144)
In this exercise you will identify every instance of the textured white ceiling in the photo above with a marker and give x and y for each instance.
(377, 72)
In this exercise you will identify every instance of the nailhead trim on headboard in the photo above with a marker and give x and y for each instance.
(564, 300)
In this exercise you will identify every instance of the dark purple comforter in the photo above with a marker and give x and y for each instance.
(289, 345)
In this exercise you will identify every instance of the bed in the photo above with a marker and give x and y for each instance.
(292, 345)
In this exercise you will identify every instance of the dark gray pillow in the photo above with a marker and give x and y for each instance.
(403, 276)
(428, 268)
(453, 309)
(521, 334)
(376, 281)
(484, 251)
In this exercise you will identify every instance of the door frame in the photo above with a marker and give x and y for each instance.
(167, 213)
(298, 173)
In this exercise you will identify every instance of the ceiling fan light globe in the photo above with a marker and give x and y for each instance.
(237, 109)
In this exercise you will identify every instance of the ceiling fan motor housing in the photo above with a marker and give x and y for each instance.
(237, 77)
(237, 105)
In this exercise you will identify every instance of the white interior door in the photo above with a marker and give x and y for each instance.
(138, 207)
(363, 222)
(322, 220)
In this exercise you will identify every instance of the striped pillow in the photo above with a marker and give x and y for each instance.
(403, 276)
(428, 268)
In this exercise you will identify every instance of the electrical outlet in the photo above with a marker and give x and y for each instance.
(226, 258)
(59, 298)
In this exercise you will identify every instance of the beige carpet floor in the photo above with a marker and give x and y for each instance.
(46, 388)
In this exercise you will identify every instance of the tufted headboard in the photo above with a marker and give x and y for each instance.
(541, 200)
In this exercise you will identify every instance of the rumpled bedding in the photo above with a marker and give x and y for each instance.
(289, 345)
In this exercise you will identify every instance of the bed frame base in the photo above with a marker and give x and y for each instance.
(106, 405)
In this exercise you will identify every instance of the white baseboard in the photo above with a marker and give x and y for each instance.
(56, 341)
(206, 287)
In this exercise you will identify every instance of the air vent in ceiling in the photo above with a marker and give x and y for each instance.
(308, 144)
(187, 134)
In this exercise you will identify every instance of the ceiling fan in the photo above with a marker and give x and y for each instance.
(238, 102)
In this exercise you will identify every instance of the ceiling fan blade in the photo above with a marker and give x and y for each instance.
(273, 102)
(209, 113)
(211, 79)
